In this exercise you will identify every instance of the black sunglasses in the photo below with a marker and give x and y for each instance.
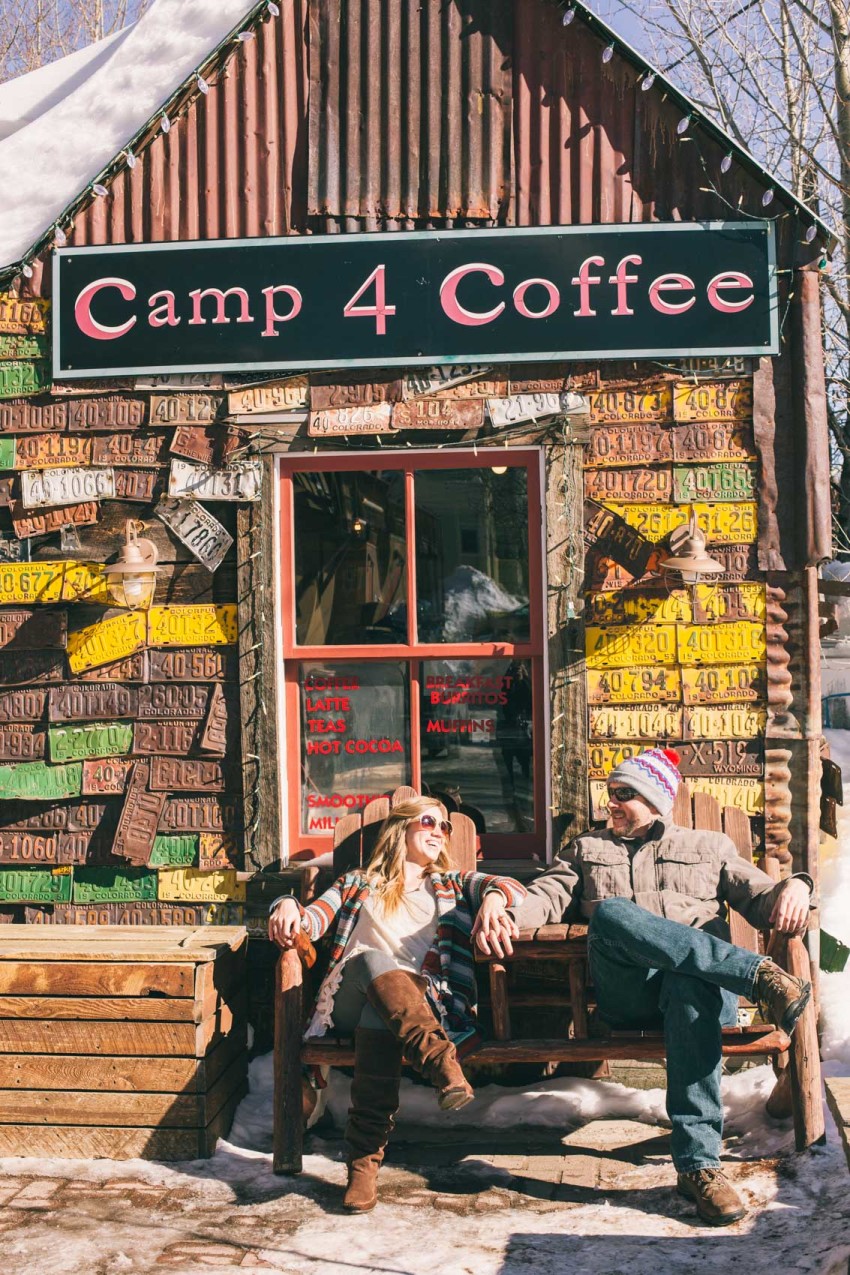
(623, 794)
(427, 822)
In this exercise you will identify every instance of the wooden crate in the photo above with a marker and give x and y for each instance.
(121, 1043)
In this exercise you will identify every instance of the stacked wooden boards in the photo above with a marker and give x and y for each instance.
(121, 1043)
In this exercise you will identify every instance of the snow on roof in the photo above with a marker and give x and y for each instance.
(22, 100)
(44, 164)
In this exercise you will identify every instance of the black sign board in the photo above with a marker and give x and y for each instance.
(630, 291)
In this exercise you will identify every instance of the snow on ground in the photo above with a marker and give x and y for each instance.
(46, 164)
(499, 1211)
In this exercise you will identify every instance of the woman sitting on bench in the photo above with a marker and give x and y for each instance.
(401, 975)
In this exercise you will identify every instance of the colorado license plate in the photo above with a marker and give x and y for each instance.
(713, 401)
(634, 486)
(622, 607)
(634, 686)
(219, 885)
(655, 404)
(648, 723)
(724, 684)
(739, 642)
(626, 646)
(731, 721)
(726, 480)
(191, 625)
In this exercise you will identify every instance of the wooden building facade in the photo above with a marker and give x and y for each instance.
(370, 574)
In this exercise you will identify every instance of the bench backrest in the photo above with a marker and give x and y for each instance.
(355, 835)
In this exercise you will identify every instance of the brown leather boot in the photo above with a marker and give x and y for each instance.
(717, 1201)
(399, 998)
(781, 997)
(374, 1102)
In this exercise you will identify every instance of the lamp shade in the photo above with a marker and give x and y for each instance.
(131, 579)
(689, 558)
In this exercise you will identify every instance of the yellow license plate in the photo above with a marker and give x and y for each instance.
(733, 523)
(622, 606)
(108, 640)
(624, 646)
(724, 684)
(598, 799)
(739, 601)
(31, 581)
(602, 758)
(729, 721)
(634, 686)
(187, 884)
(745, 794)
(655, 404)
(713, 401)
(84, 582)
(192, 626)
(649, 723)
(739, 642)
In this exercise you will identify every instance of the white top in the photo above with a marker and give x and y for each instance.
(405, 934)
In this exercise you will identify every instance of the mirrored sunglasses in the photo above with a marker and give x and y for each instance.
(623, 794)
(427, 822)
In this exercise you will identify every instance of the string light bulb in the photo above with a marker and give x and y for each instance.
(26, 270)
(647, 82)
(202, 85)
(60, 237)
(683, 125)
(608, 53)
(569, 15)
(273, 9)
(131, 159)
(810, 233)
(726, 162)
(767, 197)
(245, 35)
(166, 123)
(100, 189)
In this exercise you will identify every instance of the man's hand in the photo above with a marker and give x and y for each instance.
(493, 928)
(791, 910)
(285, 923)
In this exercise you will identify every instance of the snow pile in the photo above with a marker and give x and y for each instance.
(46, 164)
(835, 919)
(472, 601)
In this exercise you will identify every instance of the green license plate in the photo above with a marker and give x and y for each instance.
(18, 378)
(23, 347)
(94, 739)
(174, 852)
(113, 885)
(41, 782)
(35, 885)
(729, 481)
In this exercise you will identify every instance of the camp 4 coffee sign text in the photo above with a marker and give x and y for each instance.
(417, 298)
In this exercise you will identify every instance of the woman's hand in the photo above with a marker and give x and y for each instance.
(790, 913)
(494, 928)
(285, 923)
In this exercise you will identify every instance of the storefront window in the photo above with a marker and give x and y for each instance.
(354, 738)
(413, 639)
(472, 554)
(350, 558)
(477, 739)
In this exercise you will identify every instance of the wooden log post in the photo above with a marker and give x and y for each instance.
(288, 1118)
(499, 1001)
(809, 1126)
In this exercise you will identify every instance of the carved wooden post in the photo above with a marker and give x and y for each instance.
(288, 1119)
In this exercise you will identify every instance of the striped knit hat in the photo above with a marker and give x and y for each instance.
(654, 774)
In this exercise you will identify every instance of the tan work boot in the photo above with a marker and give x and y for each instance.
(374, 1102)
(781, 997)
(399, 998)
(717, 1201)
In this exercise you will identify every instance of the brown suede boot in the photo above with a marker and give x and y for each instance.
(781, 997)
(374, 1102)
(399, 998)
(717, 1201)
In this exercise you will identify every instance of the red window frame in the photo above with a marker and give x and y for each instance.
(495, 845)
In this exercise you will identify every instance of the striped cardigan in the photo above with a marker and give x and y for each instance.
(448, 965)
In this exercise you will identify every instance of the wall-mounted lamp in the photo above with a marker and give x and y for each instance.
(132, 577)
(360, 528)
(689, 559)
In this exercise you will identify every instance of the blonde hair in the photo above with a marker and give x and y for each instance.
(385, 869)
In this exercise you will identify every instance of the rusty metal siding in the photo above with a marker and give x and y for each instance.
(233, 163)
(410, 110)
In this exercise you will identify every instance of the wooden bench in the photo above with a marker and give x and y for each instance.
(796, 1061)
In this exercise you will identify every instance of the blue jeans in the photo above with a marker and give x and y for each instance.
(648, 971)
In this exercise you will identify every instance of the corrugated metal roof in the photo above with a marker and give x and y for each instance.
(390, 114)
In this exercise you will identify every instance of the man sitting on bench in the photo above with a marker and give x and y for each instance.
(655, 896)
